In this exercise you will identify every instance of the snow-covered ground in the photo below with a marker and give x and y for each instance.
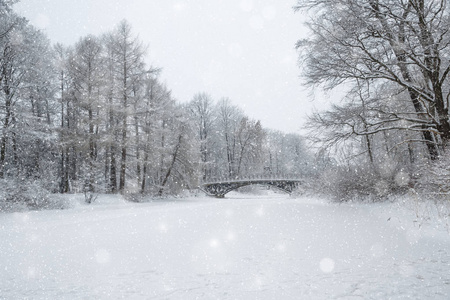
(240, 247)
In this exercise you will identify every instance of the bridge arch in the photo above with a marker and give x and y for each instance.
(221, 188)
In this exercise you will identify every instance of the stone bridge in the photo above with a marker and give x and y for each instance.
(220, 187)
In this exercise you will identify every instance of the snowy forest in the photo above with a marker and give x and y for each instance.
(113, 184)
(391, 131)
(94, 117)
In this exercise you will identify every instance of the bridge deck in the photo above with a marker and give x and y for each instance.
(221, 187)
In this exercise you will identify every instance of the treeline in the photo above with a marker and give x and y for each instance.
(232, 145)
(94, 117)
(393, 56)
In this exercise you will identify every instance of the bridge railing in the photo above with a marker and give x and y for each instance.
(255, 177)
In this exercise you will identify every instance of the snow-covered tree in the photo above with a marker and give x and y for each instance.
(286, 155)
(127, 55)
(378, 41)
(228, 119)
(86, 74)
(201, 110)
(26, 96)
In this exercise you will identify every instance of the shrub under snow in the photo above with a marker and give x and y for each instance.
(17, 194)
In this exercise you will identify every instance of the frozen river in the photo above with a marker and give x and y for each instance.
(240, 247)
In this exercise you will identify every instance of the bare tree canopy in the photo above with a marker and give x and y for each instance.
(406, 43)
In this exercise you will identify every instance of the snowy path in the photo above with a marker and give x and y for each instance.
(267, 247)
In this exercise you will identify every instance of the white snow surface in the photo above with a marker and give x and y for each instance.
(240, 247)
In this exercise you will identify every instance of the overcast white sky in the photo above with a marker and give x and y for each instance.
(241, 49)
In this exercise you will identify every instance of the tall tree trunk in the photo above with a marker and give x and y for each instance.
(113, 170)
(15, 150)
(123, 162)
(64, 175)
(91, 152)
(432, 72)
(6, 121)
(138, 152)
(369, 149)
(229, 156)
(169, 170)
(403, 67)
(144, 173)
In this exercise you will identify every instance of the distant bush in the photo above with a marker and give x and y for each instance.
(358, 183)
(18, 195)
(434, 179)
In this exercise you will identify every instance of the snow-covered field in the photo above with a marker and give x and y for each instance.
(240, 247)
